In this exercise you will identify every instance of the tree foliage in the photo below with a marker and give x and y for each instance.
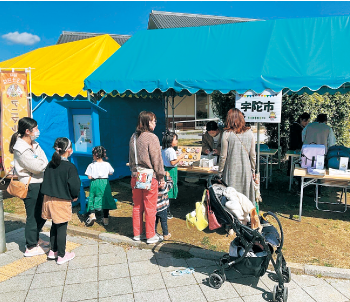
(222, 103)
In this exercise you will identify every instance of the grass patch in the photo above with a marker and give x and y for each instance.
(190, 142)
(206, 242)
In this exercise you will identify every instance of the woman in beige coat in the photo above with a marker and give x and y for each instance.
(237, 157)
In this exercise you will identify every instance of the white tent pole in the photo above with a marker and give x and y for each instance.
(31, 96)
(258, 149)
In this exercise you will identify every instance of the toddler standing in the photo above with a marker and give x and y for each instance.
(61, 185)
(100, 197)
(170, 160)
(163, 204)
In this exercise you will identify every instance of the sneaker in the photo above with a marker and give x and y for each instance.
(52, 255)
(43, 243)
(156, 238)
(35, 251)
(68, 256)
(105, 221)
(167, 237)
(90, 221)
(170, 216)
(140, 237)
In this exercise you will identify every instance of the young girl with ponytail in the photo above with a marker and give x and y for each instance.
(29, 165)
(60, 187)
(100, 197)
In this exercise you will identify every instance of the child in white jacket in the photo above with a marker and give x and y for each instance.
(238, 204)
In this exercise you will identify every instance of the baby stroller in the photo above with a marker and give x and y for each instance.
(251, 251)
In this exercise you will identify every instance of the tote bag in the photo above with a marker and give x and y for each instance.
(200, 221)
(212, 221)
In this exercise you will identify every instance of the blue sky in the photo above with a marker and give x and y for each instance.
(39, 24)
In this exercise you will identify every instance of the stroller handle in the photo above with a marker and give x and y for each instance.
(215, 177)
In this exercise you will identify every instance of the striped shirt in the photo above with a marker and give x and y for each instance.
(163, 198)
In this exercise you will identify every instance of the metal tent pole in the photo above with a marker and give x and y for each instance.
(166, 99)
(173, 109)
(258, 149)
(2, 225)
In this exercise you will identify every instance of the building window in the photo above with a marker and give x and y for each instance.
(202, 106)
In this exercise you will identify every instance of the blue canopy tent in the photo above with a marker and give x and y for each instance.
(289, 53)
(295, 55)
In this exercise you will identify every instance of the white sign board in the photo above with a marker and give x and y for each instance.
(82, 133)
(264, 107)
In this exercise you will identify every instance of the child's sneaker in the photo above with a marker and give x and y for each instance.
(156, 238)
(68, 256)
(169, 215)
(167, 237)
(35, 251)
(105, 221)
(52, 255)
(90, 221)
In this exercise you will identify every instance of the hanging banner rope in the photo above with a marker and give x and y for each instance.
(260, 108)
(14, 106)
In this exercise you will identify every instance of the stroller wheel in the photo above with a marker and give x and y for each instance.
(287, 275)
(275, 293)
(215, 280)
(285, 294)
(218, 272)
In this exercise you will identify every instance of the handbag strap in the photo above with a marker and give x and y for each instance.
(30, 177)
(136, 162)
(241, 143)
(208, 201)
(204, 195)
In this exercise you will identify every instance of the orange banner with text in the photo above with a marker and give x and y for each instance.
(14, 106)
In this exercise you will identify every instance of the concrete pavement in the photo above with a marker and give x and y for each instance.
(102, 271)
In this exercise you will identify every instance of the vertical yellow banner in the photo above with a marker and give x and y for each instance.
(14, 106)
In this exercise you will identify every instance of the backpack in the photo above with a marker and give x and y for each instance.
(309, 155)
(334, 154)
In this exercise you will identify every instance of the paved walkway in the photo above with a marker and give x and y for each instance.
(105, 272)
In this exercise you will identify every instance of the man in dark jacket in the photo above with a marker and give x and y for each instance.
(211, 141)
(295, 136)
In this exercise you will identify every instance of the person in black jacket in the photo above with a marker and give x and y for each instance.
(295, 136)
(60, 187)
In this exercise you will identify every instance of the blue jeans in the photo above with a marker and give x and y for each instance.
(162, 216)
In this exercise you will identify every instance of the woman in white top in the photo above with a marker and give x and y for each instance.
(30, 163)
(100, 197)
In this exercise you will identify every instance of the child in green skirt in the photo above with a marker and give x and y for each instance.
(170, 160)
(100, 197)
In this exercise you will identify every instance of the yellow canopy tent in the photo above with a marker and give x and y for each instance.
(61, 69)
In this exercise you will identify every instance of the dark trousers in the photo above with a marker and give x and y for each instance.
(162, 216)
(34, 223)
(58, 236)
(105, 212)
